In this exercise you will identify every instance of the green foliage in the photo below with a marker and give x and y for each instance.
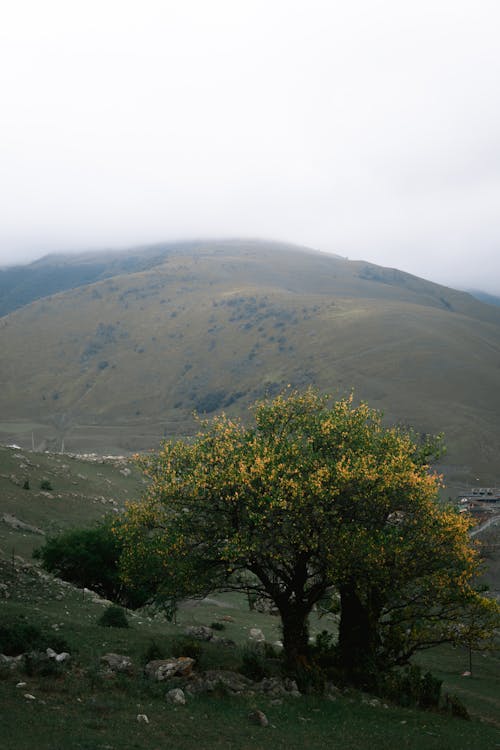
(186, 646)
(20, 637)
(46, 485)
(113, 617)
(90, 558)
(26, 484)
(317, 495)
(410, 688)
(154, 651)
(254, 663)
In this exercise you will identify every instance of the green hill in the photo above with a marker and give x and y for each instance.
(115, 364)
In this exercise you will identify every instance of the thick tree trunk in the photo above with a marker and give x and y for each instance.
(358, 635)
(294, 621)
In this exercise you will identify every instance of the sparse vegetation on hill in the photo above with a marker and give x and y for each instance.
(213, 326)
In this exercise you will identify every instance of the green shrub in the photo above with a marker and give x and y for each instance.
(113, 617)
(186, 646)
(20, 637)
(254, 664)
(46, 485)
(410, 688)
(26, 484)
(154, 651)
(90, 558)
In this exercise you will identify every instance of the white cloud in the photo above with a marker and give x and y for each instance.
(368, 128)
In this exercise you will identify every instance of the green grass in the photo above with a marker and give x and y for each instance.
(78, 709)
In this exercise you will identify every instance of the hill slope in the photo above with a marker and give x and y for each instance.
(116, 363)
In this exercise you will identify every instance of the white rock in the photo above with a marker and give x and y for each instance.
(142, 719)
(177, 697)
(256, 634)
(29, 697)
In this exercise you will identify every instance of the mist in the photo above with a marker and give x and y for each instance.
(368, 129)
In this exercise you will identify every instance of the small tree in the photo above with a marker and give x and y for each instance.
(90, 558)
(316, 494)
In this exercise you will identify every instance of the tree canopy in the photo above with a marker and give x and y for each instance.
(315, 496)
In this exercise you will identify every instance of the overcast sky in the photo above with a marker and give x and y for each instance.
(369, 128)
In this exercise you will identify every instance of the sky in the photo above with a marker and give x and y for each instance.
(367, 128)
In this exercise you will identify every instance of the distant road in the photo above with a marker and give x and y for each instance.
(485, 525)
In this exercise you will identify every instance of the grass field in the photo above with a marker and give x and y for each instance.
(80, 709)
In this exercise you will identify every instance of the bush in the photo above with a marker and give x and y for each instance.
(20, 637)
(46, 485)
(185, 646)
(254, 664)
(410, 688)
(113, 617)
(154, 651)
(90, 558)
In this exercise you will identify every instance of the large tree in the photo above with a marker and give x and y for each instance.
(315, 495)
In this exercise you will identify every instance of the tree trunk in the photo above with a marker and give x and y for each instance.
(358, 635)
(294, 621)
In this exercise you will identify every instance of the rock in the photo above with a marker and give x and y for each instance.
(200, 632)
(177, 697)
(257, 635)
(266, 606)
(29, 697)
(51, 653)
(62, 657)
(258, 717)
(142, 719)
(21, 684)
(227, 618)
(4, 591)
(231, 682)
(117, 663)
(163, 669)
(15, 523)
(12, 662)
(279, 688)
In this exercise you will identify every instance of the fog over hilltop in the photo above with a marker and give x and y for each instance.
(364, 129)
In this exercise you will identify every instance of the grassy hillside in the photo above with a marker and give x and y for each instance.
(78, 708)
(116, 364)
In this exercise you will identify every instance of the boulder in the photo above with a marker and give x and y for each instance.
(231, 682)
(200, 632)
(177, 697)
(256, 635)
(117, 663)
(279, 688)
(163, 669)
(258, 717)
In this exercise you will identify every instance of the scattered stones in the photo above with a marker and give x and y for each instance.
(256, 635)
(230, 682)
(117, 663)
(163, 669)
(200, 632)
(15, 523)
(177, 697)
(4, 591)
(258, 717)
(279, 688)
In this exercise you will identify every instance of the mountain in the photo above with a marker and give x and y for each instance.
(144, 337)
